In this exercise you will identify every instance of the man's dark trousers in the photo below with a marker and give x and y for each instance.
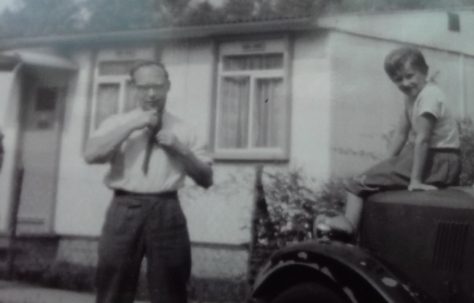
(139, 225)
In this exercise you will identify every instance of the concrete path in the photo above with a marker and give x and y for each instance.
(14, 292)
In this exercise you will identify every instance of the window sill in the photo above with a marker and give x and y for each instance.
(250, 156)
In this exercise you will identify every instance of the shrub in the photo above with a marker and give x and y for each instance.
(285, 210)
(292, 202)
(69, 276)
(466, 128)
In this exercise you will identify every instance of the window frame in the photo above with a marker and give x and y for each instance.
(263, 45)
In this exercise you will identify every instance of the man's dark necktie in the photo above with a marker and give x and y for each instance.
(149, 145)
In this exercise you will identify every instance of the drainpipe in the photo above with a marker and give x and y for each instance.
(15, 203)
(462, 76)
(13, 219)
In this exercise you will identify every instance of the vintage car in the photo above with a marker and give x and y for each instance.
(412, 247)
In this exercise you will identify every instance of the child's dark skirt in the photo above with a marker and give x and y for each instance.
(442, 168)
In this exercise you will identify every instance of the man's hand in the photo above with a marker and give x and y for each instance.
(199, 171)
(100, 149)
(170, 142)
(148, 118)
(418, 186)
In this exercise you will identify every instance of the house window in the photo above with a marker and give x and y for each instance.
(252, 116)
(113, 91)
(454, 22)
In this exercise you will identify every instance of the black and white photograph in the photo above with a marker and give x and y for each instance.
(236, 151)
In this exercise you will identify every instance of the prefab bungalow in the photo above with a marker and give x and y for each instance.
(288, 93)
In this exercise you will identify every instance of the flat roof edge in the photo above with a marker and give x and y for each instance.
(188, 32)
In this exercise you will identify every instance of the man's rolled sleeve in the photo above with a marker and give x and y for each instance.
(199, 148)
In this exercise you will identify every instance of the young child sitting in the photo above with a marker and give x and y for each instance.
(424, 152)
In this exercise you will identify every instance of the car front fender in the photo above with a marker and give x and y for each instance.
(350, 268)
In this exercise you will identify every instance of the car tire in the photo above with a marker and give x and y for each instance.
(309, 292)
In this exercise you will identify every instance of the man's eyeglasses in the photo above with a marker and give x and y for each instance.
(147, 87)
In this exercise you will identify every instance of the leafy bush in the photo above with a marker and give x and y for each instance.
(466, 128)
(69, 276)
(292, 202)
(286, 204)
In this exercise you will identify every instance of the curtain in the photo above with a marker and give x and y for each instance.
(130, 97)
(233, 113)
(269, 118)
(253, 62)
(115, 67)
(107, 102)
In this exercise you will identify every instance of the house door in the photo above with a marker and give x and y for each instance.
(42, 125)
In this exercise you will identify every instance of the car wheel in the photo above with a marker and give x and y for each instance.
(309, 292)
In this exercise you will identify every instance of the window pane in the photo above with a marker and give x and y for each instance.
(253, 62)
(115, 67)
(130, 97)
(233, 113)
(269, 116)
(107, 102)
(46, 99)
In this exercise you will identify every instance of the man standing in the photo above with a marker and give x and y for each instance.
(150, 152)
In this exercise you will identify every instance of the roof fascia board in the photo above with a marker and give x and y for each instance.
(42, 60)
(189, 32)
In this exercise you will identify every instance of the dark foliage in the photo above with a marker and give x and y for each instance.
(107, 15)
(202, 14)
(286, 210)
(291, 205)
(39, 17)
(467, 152)
(50, 17)
(239, 9)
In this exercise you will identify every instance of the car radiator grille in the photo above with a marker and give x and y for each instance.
(450, 244)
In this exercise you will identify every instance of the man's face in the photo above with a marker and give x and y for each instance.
(409, 80)
(152, 87)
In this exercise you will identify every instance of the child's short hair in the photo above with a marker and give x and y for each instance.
(396, 59)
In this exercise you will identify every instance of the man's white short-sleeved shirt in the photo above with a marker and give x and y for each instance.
(164, 172)
(431, 100)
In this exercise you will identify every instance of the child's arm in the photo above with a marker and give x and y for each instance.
(400, 136)
(423, 128)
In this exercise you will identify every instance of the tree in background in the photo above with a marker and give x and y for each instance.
(46, 17)
(49, 17)
(297, 8)
(263, 9)
(266, 8)
(38, 17)
(106, 15)
(202, 13)
(239, 9)
(110, 15)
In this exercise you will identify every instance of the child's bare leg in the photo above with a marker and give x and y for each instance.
(353, 209)
(347, 222)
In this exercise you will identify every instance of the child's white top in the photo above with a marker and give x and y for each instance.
(432, 100)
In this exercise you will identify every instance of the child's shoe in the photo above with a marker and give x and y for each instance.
(337, 228)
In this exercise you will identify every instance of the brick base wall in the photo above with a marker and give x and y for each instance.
(219, 271)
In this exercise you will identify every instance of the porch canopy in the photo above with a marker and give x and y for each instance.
(10, 59)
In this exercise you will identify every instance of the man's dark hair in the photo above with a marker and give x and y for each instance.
(142, 63)
(397, 58)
